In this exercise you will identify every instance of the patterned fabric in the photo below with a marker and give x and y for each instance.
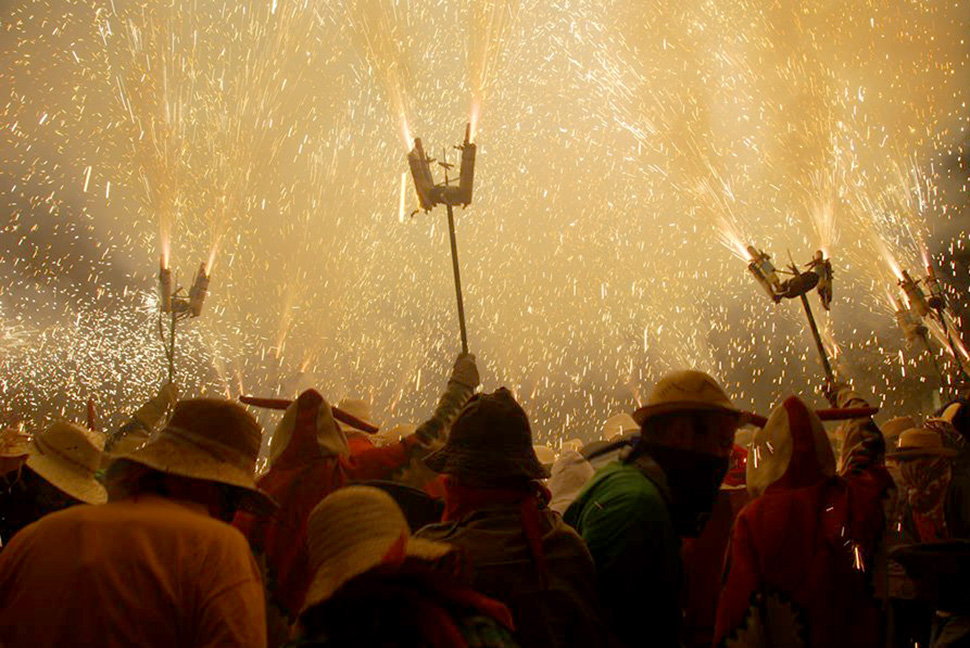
(926, 483)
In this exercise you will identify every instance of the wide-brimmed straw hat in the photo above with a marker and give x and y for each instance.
(211, 439)
(353, 530)
(67, 455)
(491, 439)
(919, 443)
(686, 391)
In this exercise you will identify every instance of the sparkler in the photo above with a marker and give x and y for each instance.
(264, 126)
(430, 194)
(819, 275)
(179, 306)
(929, 307)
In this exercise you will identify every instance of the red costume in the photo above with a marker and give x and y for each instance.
(799, 570)
(311, 460)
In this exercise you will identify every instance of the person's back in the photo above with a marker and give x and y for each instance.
(496, 510)
(802, 551)
(142, 571)
(550, 609)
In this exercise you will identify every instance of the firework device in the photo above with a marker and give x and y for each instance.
(449, 194)
(818, 276)
(920, 306)
(173, 301)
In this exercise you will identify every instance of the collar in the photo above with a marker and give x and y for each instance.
(652, 471)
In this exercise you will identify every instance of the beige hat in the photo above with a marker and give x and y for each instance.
(619, 425)
(353, 530)
(896, 426)
(575, 444)
(210, 439)
(917, 443)
(67, 456)
(685, 391)
(359, 409)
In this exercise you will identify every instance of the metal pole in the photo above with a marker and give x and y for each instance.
(171, 350)
(454, 263)
(818, 341)
(936, 365)
(953, 346)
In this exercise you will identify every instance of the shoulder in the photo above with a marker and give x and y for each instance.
(619, 503)
(440, 531)
(620, 487)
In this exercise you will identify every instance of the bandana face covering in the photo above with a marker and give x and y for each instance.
(694, 479)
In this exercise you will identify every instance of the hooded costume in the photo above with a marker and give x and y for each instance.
(800, 563)
(309, 458)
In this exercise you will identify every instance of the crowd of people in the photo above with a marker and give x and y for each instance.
(689, 522)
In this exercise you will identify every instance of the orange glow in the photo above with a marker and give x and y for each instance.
(166, 250)
(473, 120)
(406, 134)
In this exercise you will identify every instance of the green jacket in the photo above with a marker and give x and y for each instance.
(622, 514)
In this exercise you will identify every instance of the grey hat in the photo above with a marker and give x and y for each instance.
(491, 439)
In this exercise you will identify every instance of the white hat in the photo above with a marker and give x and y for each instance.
(618, 425)
(67, 455)
(353, 530)
(357, 408)
(791, 450)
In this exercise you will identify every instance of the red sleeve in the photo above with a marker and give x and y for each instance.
(741, 584)
(379, 462)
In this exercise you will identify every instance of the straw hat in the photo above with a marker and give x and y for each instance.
(67, 456)
(917, 443)
(491, 438)
(685, 391)
(353, 530)
(359, 409)
(210, 439)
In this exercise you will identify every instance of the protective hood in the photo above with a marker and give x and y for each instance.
(791, 451)
(306, 431)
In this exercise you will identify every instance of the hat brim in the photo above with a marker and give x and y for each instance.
(648, 412)
(921, 453)
(332, 575)
(172, 457)
(458, 461)
(84, 488)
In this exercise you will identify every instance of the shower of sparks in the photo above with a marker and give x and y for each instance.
(631, 154)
